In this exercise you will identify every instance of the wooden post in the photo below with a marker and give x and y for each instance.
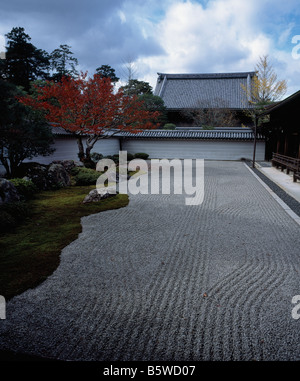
(286, 142)
(278, 144)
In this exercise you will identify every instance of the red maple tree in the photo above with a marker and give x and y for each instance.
(89, 107)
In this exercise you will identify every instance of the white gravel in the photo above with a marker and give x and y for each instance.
(159, 280)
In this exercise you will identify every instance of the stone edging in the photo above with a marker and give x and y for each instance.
(274, 193)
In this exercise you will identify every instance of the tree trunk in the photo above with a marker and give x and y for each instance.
(5, 164)
(14, 161)
(89, 146)
(254, 145)
(80, 148)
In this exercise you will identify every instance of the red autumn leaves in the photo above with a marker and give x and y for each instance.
(90, 106)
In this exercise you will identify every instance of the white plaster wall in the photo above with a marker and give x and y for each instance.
(67, 149)
(183, 149)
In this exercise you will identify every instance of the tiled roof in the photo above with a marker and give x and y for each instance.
(220, 133)
(241, 134)
(221, 90)
(57, 130)
(279, 105)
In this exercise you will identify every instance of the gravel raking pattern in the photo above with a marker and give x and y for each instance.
(159, 280)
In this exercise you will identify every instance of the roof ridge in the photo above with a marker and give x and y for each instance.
(202, 134)
(206, 75)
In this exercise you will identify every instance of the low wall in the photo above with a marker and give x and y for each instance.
(66, 149)
(201, 149)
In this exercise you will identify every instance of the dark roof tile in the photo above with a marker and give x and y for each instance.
(221, 90)
(241, 134)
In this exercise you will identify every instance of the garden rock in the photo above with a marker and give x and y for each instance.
(67, 164)
(37, 173)
(8, 192)
(58, 176)
(95, 196)
(78, 164)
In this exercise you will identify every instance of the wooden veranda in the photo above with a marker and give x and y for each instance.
(283, 130)
(287, 163)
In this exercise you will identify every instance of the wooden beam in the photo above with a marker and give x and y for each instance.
(278, 144)
(286, 144)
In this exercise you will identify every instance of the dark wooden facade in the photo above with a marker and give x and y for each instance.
(283, 129)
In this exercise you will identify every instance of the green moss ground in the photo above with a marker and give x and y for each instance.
(30, 253)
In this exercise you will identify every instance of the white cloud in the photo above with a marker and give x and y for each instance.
(217, 38)
(287, 68)
(2, 46)
(122, 16)
(2, 42)
(164, 35)
(223, 36)
(285, 34)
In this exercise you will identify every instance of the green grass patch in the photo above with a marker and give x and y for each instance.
(31, 252)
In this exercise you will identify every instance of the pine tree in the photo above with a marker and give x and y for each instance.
(24, 133)
(63, 63)
(23, 63)
(106, 71)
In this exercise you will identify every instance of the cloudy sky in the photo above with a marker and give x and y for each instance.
(168, 36)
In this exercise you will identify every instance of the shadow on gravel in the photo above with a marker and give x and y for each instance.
(12, 356)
